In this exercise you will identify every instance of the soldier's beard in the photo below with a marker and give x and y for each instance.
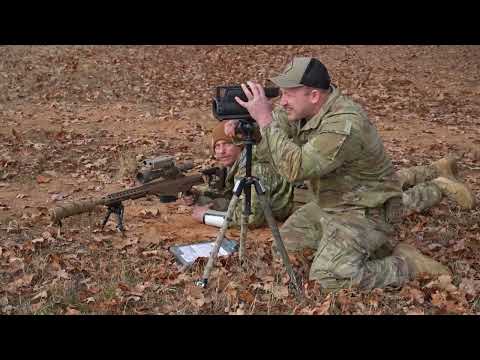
(291, 114)
(303, 112)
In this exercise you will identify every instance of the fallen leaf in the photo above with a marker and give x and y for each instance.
(47, 236)
(93, 290)
(439, 299)
(51, 173)
(37, 306)
(246, 296)
(123, 287)
(417, 295)
(361, 307)
(39, 146)
(470, 286)
(19, 282)
(138, 290)
(42, 179)
(150, 253)
(15, 134)
(195, 295)
(134, 298)
(15, 265)
(324, 307)
(182, 209)
(38, 240)
(41, 295)
(445, 283)
(415, 311)
(57, 197)
(8, 309)
(460, 245)
(152, 236)
(122, 242)
(280, 292)
(150, 212)
(62, 274)
(101, 238)
(71, 311)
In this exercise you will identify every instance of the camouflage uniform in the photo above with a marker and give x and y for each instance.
(278, 190)
(340, 154)
(419, 192)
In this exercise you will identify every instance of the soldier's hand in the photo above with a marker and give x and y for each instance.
(190, 197)
(258, 105)
(229, 127)
(199, 211)
(188, 200)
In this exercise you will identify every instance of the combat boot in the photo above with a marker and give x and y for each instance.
(456, 191)
(446, 167)
(418, 263)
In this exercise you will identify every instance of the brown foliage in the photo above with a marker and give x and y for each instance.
(76, 118)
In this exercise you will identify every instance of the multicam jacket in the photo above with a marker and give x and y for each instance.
(338, 151)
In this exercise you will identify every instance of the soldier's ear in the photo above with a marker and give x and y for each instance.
(318, 96)
(315, 96)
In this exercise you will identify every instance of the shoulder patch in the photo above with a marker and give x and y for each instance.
(336, 124)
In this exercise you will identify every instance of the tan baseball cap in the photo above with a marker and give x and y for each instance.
(303, 71)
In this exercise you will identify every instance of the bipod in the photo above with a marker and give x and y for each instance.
(116, 209)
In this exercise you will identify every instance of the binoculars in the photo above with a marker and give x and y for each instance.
(225, 107)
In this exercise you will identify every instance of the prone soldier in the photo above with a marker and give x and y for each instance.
(211, 205)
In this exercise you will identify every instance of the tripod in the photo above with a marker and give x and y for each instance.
(244, 185)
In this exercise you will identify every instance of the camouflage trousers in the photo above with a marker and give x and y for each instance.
(349, 247)
(353, 247)
(419, 193)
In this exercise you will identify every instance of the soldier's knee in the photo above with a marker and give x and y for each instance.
(333, 274)
(293, 240)
(329, 282)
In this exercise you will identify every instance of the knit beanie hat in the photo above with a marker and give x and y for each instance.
(218, 133)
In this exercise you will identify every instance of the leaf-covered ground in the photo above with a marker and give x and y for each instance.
(76, 119)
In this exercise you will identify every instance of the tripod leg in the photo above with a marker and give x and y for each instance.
(276, 235)
(247, 189)
(243, 236)
(218, 241)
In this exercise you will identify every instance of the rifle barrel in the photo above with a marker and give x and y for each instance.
(159, 187)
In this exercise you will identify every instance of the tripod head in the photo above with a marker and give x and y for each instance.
(246, 127)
